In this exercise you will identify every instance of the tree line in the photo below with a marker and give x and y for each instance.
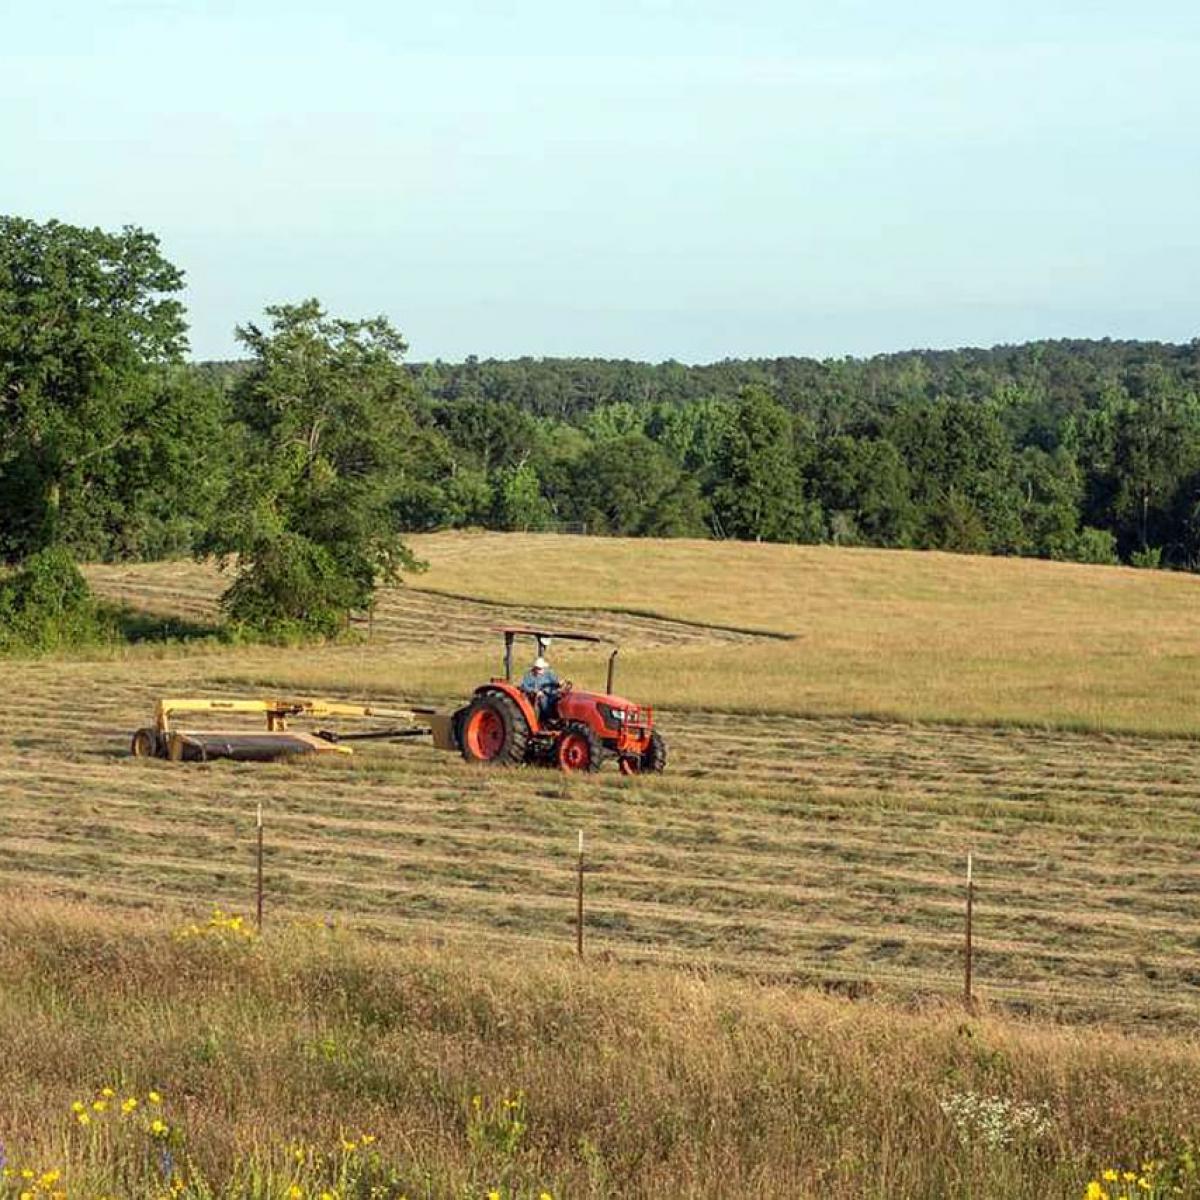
(307, 461)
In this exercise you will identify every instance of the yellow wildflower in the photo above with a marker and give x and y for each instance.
(349, 1146)
(295, 1193)
(83, 1118)
(154, 1098)
(159, 1128)
(545, 1196)
(127, 1106)
(493, 1196)
(107, 1093)
(49, 1179)
(77, 1106)
(1095, 1191)
(26, 1172)
(366, 1139)
(26, 1196)
(99, 1105)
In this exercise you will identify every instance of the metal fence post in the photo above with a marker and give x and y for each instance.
(579, 901)
(258, 911)
(968, 998)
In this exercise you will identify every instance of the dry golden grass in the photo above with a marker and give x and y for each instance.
(637, 1082)
(823, 849)
(916, 636)
(928, 637)
(808, 834)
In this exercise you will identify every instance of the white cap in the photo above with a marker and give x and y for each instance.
(540, 663)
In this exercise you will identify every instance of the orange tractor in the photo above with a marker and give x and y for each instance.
(573, 729)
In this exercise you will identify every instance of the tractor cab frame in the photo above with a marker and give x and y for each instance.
(543, 640)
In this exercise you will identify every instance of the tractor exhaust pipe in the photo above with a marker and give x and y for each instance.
(612, 670)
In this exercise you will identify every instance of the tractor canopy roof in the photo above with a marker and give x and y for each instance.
(546, 635)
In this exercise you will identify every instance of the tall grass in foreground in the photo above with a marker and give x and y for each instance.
(531, 1075)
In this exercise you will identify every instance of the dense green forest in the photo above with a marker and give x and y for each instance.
(312, 457)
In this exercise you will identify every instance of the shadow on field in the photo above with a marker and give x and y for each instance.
(137, 625)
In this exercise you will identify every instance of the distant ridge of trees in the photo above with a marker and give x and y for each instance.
(313, 458)
(1066, 449)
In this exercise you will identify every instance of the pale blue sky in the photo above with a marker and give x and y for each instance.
(635, 178)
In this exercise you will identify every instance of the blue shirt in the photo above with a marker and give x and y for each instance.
(547, 681)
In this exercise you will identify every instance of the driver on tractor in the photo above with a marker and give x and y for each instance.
(542, 686)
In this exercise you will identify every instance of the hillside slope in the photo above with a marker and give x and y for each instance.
(914, 636)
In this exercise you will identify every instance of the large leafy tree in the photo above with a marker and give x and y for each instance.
(494, 434)
(960, 461)
(89, 326)
(1157, 446)
(326, 407)
(629, 486)
(759, 490)
(863, 486)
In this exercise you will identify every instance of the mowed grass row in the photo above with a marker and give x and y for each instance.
(817, 850)
(411, 615)
(914, 636)
(922, 636)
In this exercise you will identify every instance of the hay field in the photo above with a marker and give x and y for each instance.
(790, 845)
(916, 636)
(802, 630)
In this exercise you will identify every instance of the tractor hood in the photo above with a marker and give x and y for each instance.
(614, 711)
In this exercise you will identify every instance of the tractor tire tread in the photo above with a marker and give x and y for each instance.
(147, 738)
(654, 760)
(516, 727)
(597, 754)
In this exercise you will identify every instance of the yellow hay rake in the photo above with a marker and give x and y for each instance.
(163, 740)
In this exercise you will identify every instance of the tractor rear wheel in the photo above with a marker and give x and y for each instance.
(579, 749)
(652, 760)
(494, 731)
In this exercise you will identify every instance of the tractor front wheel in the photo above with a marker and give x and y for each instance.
(579, 749)
(652, 760)
(494, 731)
